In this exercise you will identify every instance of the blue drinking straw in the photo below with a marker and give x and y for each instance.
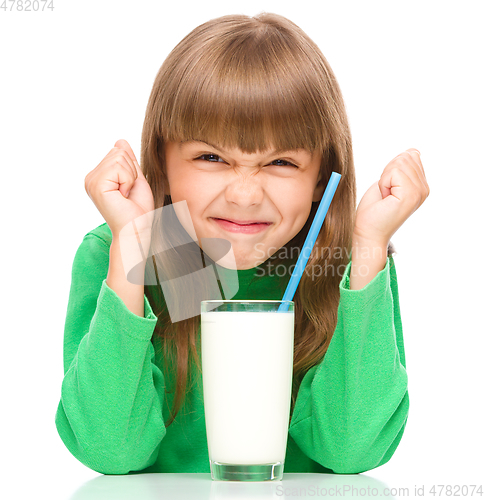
(310, 240)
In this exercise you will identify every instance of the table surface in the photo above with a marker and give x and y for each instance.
(201, 487)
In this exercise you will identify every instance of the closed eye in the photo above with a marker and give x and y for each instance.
(201, 157)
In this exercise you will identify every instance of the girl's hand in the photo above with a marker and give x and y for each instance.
(385, 206)
(120, 191)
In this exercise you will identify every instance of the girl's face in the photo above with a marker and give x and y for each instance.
(276, 188)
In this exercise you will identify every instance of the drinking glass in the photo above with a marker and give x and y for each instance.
(247, 369)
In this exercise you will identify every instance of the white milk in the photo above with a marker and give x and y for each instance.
(247, 367)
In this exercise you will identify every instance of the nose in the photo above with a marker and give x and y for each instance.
(245, 190)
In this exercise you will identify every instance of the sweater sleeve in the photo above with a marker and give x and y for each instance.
(110, 412)
(352, 407)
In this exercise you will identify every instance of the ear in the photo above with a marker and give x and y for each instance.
(319, 189)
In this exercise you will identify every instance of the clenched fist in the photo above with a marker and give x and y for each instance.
(120, 191)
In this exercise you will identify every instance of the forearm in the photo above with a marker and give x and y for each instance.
(368, 259)
(351, 408)
(131, 294)
(110, 412)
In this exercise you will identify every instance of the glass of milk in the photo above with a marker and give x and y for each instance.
(247, 369)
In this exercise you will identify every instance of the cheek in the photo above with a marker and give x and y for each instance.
(182, 185)
(191, 190)
(297, 202)
(297, 211)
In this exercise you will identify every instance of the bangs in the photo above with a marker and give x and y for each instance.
(251, 90)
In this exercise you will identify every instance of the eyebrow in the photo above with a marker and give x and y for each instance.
(277, 152)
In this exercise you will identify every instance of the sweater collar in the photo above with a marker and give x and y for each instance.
(256, 283)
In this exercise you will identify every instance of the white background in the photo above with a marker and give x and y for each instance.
(77, 79)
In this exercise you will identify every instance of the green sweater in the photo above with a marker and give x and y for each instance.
(350, 411)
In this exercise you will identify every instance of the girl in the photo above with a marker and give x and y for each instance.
(245, 123)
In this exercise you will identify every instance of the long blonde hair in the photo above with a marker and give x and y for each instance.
(253, 83)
